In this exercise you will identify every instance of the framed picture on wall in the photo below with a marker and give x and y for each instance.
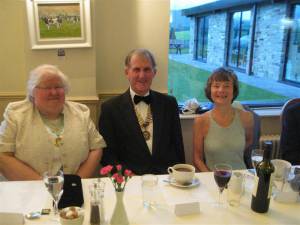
(59, 23)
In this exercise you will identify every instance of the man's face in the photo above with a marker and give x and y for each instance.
(140, 74)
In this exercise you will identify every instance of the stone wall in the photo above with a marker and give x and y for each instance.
(216, 39)
(269, 42)
(193, 22)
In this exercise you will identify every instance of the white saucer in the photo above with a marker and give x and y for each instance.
(194, 183)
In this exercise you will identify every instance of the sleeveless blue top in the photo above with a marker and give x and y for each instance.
(225, 144)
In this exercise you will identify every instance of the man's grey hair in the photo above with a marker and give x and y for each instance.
(37, 75)
(141, 52)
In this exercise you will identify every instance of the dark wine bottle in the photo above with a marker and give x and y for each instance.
(262, 183)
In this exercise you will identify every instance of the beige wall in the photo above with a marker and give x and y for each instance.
(117, 27)
(17, 58)
(123, 25)
(12, 46)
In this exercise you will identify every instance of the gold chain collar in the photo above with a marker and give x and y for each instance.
(144, 124)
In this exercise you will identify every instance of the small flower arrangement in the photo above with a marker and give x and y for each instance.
(116, 175)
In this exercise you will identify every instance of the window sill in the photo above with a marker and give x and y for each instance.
(262, 112)
(268, 112)
(187, 117)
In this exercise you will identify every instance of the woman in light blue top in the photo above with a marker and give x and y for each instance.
(223, 133)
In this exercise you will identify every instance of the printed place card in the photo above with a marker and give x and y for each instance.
(184, 209)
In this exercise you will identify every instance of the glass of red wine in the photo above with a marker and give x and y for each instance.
(222, 174)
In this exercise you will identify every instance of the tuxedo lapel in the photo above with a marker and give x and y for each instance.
(128, 117)
(157, 109)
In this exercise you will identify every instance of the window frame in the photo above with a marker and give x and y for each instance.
(229, 36)
(198, 20)
(290, 14)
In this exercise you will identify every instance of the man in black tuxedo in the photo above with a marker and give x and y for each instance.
(290, 138)
(141, 127)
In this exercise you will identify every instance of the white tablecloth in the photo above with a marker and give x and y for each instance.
(30, 196)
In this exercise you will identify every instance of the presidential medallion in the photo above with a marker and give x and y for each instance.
(144, 124)
(58, 142)
(146, 135)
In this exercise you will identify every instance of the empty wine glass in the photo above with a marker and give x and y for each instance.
(256, 157)
(54, 183)
(222, 174)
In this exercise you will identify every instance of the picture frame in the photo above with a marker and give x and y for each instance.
(55, 24)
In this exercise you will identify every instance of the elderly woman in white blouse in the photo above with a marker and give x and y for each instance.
(45, 130)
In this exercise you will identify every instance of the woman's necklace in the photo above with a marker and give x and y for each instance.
(58, 141)
(56, 129)
(144, 124)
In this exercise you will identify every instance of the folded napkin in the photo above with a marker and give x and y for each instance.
(190, 106)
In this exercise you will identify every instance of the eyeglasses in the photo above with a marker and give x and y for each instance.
(50, 88)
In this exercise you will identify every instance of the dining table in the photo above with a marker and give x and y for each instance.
(29, 196)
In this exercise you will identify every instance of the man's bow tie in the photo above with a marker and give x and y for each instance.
(146, 99)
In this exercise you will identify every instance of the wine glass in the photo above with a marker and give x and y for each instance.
(54, 183)
(222, 174)
(295, 183)
(256, 157)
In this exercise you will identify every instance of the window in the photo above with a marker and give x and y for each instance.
(260, 41)
(293, 61)
(201, 39)
(239, 36)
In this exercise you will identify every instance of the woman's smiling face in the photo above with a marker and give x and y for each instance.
(222, 92)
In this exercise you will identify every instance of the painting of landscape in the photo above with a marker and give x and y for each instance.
(59, 21)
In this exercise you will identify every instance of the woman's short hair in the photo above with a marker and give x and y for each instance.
(141, 52)
(38, 73)
(222, 74)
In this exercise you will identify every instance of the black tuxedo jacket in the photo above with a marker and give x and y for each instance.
(126, 145)
(290, 138)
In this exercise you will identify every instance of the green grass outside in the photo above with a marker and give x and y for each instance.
(186, 82)
(65, 31)
(182, 35)
(183, 51)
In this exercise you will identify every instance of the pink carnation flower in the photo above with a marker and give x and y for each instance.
(105, 170)
(119, 167)
(118, 178)
(128, 173)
